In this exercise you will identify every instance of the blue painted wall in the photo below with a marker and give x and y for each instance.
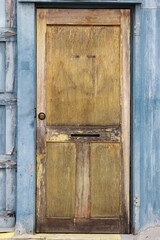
(146, 115)
(26, 130)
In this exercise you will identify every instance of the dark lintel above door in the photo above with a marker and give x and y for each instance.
(83, 1)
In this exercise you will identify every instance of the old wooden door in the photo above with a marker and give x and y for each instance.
(83, 119)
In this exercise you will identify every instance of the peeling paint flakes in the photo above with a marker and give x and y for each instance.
(60, 137)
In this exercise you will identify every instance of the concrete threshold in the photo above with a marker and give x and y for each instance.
(152, 233)
(66, 236)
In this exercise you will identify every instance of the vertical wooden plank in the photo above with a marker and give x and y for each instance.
(2, 189)
(60, 179)
(125, 102)
(26, 139)
(10, 66)
(105, 180)
(83, 180)
(41, 107)
(10, 149)
(3, 66)
(137, 109)
(10, 189)
(10, 7)
(41, 80)
(2, 14)
(136, 120)
(2, 129)
(7, 116)
(10, 129)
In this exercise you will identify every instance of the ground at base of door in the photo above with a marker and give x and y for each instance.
(148, 234)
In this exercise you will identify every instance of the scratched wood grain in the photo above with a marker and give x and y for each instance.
(83, 134)
(83, 17)
(79, 86)
(83, 84)
(60, 179)
(105, 180)
(125, 113)
(3, 66)
(7, 115)
(41, 107)
(83, 181)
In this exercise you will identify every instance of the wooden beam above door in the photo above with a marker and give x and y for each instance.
(83, 1)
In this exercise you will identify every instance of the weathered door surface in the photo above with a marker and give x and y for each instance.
(83, 119)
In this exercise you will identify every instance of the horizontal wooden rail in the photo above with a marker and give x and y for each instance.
(8, 164)
(8, 99)
(88, 1)
(7, 213)
(7, 157)
(81, 134)
(8, 34)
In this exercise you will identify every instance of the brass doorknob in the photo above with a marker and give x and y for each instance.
(41, 116)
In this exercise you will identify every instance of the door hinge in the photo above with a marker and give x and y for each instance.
(137, 29)
(136, 201)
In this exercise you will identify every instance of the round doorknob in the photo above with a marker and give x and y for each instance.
(41, 116)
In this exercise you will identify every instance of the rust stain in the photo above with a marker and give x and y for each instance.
(9, 10)
(9, 34)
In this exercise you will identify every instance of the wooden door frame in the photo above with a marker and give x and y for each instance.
(121, 18)
(26, 129)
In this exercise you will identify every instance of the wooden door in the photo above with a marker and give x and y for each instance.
(83, 120)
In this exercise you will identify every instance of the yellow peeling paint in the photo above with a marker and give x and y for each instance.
(39, 178)
(60, 137)
(62, 236)
(80, 131)
(109, 130)
(6, 235)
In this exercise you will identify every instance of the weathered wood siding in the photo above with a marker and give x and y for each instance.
(145, 115)
(7, 114)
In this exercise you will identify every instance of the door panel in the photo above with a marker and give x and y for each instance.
(105, 180)
(60, 179)
(83, 146)
(83, 84)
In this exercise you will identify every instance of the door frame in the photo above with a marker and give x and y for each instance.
(26, 129)
(121, 224)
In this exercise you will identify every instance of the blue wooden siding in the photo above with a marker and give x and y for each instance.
(146, 117)
(3, 65)
(145, 113)
(145, 135)
(7, 115)
(26, 142)
(146, 129)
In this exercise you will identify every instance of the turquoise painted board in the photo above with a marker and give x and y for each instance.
(150, 118)
(7, 115)
(146, 117)
(2, 190)
(3, 66)
(2, 129)
(26, 140)
(2, 14)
